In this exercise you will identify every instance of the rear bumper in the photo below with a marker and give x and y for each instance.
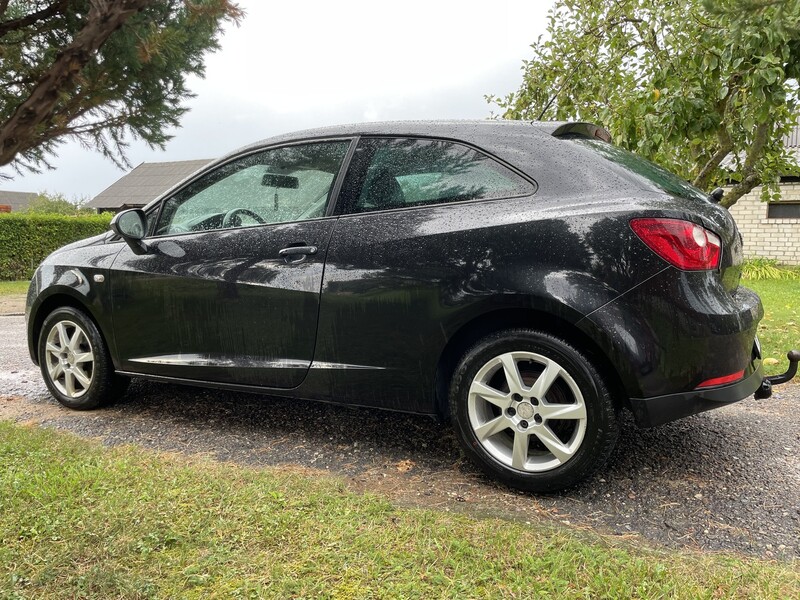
(677, 330)
(649, 412)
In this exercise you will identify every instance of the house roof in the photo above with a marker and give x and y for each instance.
(791, 142)
(17, 200)
(145, 183)
(792, 139)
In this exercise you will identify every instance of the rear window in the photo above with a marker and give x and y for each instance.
(642, 171)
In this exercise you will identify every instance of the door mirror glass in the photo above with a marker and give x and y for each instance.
(130, 224)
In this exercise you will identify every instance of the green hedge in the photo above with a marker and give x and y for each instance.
(26, 239)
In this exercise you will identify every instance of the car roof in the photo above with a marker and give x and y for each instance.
(475, 131)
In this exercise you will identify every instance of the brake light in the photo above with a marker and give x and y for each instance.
(722, 380)
(682, 244)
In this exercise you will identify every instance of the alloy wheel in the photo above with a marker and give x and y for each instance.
(527, 411)
(69, 359)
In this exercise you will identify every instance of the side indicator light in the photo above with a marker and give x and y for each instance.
(722, 380)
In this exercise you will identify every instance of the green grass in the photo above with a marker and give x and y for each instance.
(14, 287)
(80, 520)
(779, 330)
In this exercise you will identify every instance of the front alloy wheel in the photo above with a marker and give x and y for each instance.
(69, 359)
(75, 362)
(531, 410)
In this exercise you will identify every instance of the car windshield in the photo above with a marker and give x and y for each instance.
(641, 170)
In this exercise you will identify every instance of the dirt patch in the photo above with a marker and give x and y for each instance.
(12, 304)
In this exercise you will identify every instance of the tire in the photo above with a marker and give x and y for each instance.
(532, 411)
(75, 362)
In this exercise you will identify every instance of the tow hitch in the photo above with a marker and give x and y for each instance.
(765, 391)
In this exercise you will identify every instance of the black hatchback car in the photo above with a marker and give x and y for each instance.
(526, 281)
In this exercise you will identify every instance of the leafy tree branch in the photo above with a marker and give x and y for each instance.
(707, 89)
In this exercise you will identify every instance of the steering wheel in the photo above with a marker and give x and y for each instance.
(231, 218)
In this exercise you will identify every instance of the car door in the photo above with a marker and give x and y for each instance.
(229, 287)
(415, 245)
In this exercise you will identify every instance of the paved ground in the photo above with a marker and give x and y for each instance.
(725, 480)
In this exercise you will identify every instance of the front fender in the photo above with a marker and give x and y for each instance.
(77, 278)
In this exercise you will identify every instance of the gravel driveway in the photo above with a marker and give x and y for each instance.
(725, 480)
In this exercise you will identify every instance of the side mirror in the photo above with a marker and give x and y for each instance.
(131, 225)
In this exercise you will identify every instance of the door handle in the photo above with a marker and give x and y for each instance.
(296, 254)
(297, 250)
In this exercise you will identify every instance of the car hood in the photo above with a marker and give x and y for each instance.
(96, 240)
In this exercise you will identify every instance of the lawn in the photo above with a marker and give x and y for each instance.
(779, 331)
(13, 287)
(80, 520)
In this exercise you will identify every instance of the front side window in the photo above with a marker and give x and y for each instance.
(403, 172)
(292, 183)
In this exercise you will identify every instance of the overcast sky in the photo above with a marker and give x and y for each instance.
(300, 64)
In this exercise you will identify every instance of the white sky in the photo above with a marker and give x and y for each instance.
(294, 65)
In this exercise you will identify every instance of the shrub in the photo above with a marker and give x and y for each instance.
(57, 204)
(26, 239)
(766, 268)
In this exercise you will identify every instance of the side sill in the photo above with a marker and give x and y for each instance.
(264, 391)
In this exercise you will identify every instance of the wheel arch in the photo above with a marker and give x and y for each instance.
(508, 318)
(49, 304)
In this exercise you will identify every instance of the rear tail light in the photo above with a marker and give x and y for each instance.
(682, 244)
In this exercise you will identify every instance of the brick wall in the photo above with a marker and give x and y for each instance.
(770, 238)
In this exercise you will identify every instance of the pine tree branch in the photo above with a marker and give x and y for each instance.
(18, 134)
(59, 6)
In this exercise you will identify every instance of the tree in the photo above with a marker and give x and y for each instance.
(100, 71)
(685, 83)
(57, 204)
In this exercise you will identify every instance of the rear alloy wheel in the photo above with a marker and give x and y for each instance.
(531, 410)
(75, 363)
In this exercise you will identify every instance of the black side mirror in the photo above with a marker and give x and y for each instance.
(717, 195)
(131, 225)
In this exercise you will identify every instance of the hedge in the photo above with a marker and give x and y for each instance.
(26, 239)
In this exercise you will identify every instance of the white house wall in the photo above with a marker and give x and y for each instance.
(768, 238)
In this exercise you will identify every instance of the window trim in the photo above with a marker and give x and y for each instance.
(343, 206)
(157, 205)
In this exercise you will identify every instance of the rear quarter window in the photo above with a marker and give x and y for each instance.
(404, 172)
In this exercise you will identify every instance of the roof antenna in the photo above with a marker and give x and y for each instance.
(558, 91)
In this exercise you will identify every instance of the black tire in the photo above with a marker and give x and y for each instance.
(488, 424)
(77, 369)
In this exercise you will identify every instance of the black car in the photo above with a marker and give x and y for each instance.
(525, 280)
